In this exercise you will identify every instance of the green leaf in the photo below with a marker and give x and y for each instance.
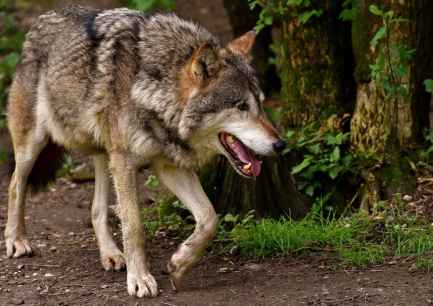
(428, 85)
(333, 173)
(268, 20)
(347, 15)
(339, 138)
(315, 149)
(378, 36)
(335, 155)
(229, 218)
(274, 113)
(304, 164)
(9, 62)
(374, 9)
(304, 17)
(152, 182)
(290, 134)
(309, 190)
(144, 5)
(330, 139)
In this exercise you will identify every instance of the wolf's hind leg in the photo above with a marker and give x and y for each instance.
(26, 154)
(186, 186)
(111, 256)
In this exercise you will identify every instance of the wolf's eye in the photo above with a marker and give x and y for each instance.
(243, 106)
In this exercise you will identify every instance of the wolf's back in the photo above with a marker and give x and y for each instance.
(85, 61)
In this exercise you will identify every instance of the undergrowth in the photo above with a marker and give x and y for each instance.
(356, 240)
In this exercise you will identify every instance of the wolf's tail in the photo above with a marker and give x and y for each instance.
(46, 166)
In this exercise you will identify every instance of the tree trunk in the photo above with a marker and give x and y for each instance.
(384, 125)
(314, 61)
(273, 193)
(422, 66)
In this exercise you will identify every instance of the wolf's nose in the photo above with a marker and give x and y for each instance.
(279, 146)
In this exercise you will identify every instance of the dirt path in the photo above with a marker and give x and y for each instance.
(66, 269)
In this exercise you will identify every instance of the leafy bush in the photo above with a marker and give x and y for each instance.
(325, 159)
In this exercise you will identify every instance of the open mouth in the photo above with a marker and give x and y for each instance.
(242, 158)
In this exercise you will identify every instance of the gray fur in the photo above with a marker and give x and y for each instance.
(84, 54)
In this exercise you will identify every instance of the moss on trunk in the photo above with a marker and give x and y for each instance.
(313, 61)
(384, 126)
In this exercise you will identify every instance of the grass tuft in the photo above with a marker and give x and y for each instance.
(357, 240)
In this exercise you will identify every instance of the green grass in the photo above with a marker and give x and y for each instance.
(424, 264)
(363, 255)
(357, 240)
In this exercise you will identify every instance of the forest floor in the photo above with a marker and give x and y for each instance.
(65, 269)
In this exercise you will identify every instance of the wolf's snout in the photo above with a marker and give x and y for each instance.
(279, 145)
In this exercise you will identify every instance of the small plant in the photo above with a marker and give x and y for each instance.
(424, 264)
(349, 10)
(230, 223)
(277, 10)
(165, 215)
(326, 159)
(152, 182)
(67, 166)
(363, 255)
(391, 68)
(428, 85)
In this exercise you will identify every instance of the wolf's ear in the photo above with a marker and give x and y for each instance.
(243, 44)
(204, 63)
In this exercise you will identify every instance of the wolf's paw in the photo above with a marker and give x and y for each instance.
(113, 262)
(17, 247)
(176, 274)
(142, 285)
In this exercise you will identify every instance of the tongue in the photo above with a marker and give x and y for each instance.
(246, 156)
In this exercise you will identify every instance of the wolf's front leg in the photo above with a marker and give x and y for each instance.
(139, 280)
(186, 185)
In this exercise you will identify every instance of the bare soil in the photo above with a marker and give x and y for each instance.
(65, 269)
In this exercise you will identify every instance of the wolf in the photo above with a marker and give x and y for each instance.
(134, 90)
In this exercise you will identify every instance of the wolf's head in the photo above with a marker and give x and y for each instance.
(222, 106)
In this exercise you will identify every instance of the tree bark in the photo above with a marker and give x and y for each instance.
(314, 62)
(273, 193)
(422, 66)
(385, 126)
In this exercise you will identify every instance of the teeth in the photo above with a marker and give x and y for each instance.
(230, 139)
(247, 167)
